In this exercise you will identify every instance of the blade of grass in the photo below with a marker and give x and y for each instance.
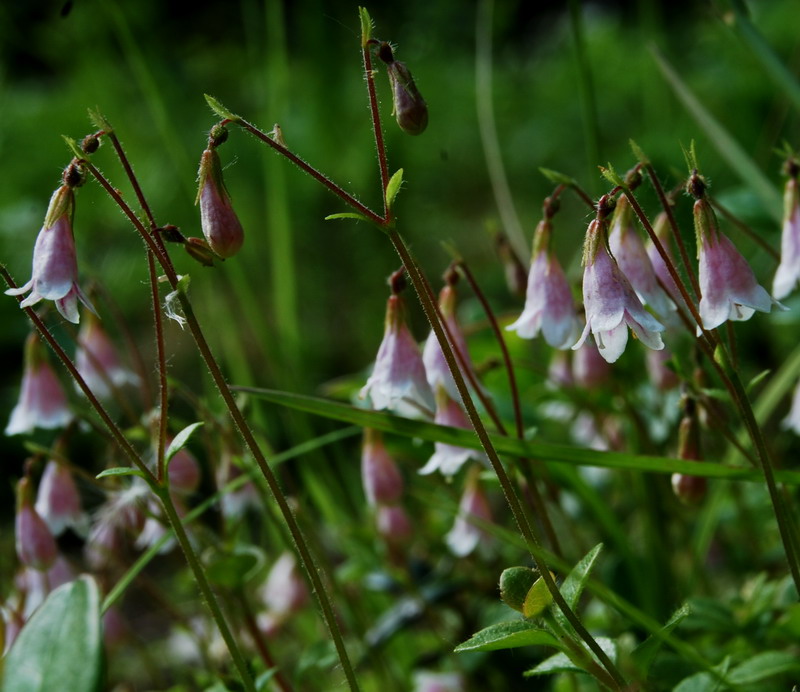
(727, 147)
(505, 445)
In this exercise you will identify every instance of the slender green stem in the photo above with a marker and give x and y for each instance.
(505, 482)
(376, 126)
(205, 587)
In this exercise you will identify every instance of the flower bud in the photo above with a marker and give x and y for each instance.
(382, 480)
(465, 535)
(689, 489)
(35, 544)
(198, 250)
(393, 524)
(90, 144)
(410, 109)
(220, 224)
(515, 272)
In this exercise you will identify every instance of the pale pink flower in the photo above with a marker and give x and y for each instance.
(792, 420)
(611, 303)
(42, 401)
(628, 250)
(55, 266)
(398, 379)
(436, 369)
(449, 458)
(465, 535)
(58, 501)
(589, 368)
(438, 682)
(381, 478)
(220, 224)
(35, 544)
(661, 229)
(284, 593)
(728, 286)
(393, 523)
(789, 269)
(97, 361)
(549, 307)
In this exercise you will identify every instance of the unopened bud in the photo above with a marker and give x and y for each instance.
(74, 175)
(171, 234)
(689, 489)
(199, 251)
(90, 144)
(410, 109)
(397, 281)
(515, 272)
(221, 226)
(696, 186)
(36, 547)
(218, 135)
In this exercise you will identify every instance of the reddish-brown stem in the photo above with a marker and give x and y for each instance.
(132, 178)
(261, 645)
(578, 190)
(376, 128)
(676, 232)
(346, 197)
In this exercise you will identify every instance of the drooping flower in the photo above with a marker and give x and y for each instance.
(661, 230)
(58, 501)
(398, 378)
(42, 401)
(97, 361)
(728, 286)
(610, 301)
(449, 458)
(393, 523)
(284, 593)
(792, 420)
(55, 266)
(628, 250)
(549, 307)
(35, 544)
(425, 681)
(220, 224)
(660, 375)
(789, 269)
(689, 489)
(465, 535)
(382, 481)
(436, 368)
(589, 368)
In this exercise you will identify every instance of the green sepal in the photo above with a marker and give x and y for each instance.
(99, 121)
(220, 110)
(557, 178)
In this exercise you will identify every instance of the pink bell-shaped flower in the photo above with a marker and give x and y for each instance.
(436, 368)
(789, 269)
(398, 379)
(97, 361)
(220, 224)
(449, 458)
(609, 299)
(35, 544)
(58, 501)
(662, 231)
(393, 524)
(728, 286)
(55, 266)
(42, 401)
(628, 250)
(382, 481)
(465, 535)
(549, 307)
(284, 593)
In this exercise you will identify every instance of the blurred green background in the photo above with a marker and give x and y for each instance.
(304, 300)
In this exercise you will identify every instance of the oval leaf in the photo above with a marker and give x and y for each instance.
(61, 645)
(764, 665)
(120, 471)
(537, 600)
(561, 663)
(347, 215)
(393, 187)
(508, 635)
(180, 441)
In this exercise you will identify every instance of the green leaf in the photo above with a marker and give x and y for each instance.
(611, 175)
(233, 570)
(644, 654)
(77, 152)
(727, 147)
(99, 121)
(220, 110)
(348, 215)
(508, 635)
(764, 665)
(576, 456)
(556, 177)
(758, 379)
(180, 441)
(366, 25)
(641, 157)
(538, 598)
(60, 647)
(120, 471)
(393, 187)
(561, 663)
(575, 582)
